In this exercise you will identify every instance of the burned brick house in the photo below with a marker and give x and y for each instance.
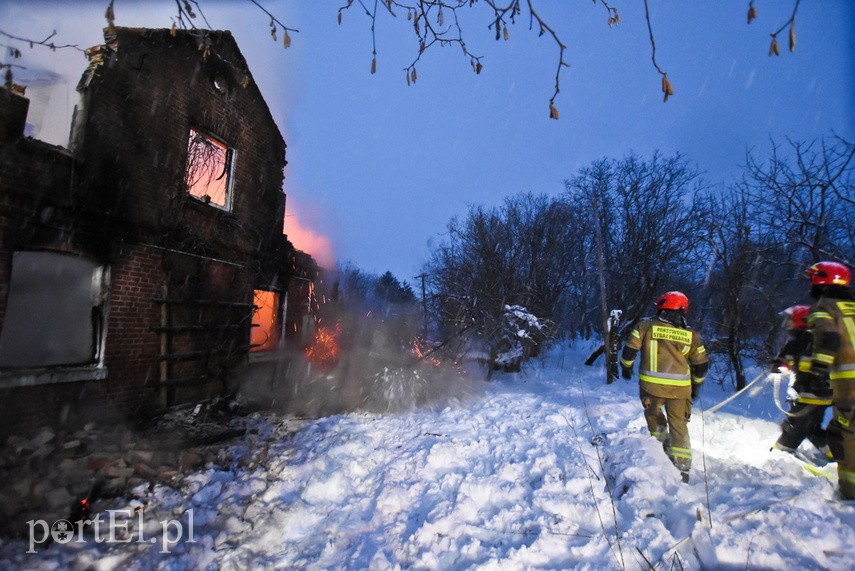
(144, 264)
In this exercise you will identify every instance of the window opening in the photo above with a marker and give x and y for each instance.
(265, 321)
(221, 85)
(209, 170)
(56, 311)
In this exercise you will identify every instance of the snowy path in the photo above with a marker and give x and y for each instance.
(513, 479)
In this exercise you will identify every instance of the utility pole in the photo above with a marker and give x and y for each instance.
(611, 357)
(424, 303)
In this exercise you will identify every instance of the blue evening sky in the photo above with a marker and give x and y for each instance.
(379, 168)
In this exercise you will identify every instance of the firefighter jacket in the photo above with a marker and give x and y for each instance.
(832, 320)
(672, 357)
(797, 354)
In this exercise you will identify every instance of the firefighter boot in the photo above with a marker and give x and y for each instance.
(661, 434)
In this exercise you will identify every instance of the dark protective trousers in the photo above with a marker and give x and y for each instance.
(805, 422)
(670, 427)
(841, 440)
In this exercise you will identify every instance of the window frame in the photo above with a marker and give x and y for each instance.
(278, 324)
(95, 369)
(230, 159)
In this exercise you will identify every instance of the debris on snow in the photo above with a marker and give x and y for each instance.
(556, 472)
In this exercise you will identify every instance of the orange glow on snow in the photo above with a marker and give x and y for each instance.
(308, 240)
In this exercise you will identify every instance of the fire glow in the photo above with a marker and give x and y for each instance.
(324, 352)
(307, 240)
(423, 355)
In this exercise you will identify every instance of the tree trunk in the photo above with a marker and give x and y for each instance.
(604, 312)
(733, 354)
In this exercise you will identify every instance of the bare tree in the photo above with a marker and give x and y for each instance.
(542, 228)
(807, 192)
(434, 23)
(495, 259)
(731, 237)
(651, 225)
(438, 23)
(790, 210)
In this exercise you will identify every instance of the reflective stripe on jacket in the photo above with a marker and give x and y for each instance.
(833, 324)
(797, 353)
(668, 353)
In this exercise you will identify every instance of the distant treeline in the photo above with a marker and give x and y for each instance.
(737, 250)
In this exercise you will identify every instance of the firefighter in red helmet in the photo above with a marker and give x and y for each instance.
(832, 321)
(810, 394)
(672, 367)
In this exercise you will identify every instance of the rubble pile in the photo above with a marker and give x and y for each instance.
(47, 475)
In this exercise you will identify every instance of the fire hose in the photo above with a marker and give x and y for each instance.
(776, 383)
(762, 376)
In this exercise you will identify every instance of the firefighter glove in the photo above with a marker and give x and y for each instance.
(696, 390)
(626, 373)
(778, 366)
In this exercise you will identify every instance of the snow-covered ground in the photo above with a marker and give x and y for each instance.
(550, 468)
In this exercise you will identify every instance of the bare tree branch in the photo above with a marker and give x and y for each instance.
(45, 42)
(438, 23)
(666, 85)
(791, 23)
(272, 18)
(553, 113)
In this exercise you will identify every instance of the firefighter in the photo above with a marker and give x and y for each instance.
(810, 394)
(832, 320)
(672, 367)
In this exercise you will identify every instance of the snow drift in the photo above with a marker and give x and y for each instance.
(548, 469)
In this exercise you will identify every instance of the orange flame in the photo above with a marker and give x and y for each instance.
(306, 239)
(419, 351)
(325, 351)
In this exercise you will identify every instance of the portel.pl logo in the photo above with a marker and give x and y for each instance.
(119, 526)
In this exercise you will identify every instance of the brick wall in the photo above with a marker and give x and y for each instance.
(141, 103)
(118, 196)
(132, 344)
(36, 207)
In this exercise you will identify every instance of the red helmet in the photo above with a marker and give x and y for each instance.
(828, 273)
(798, 314)
(673, 300)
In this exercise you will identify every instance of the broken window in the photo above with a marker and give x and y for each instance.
(55, 312)
(209, 169)
(266, 321)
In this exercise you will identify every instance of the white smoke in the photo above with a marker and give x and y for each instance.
(378, 370)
